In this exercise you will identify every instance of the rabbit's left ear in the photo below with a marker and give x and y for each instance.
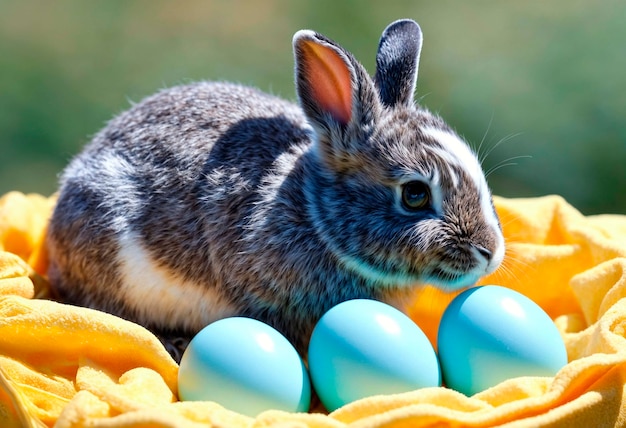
(397, 62)
(325, 78)
(337, 95)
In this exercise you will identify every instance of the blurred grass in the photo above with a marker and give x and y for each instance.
(549, 74)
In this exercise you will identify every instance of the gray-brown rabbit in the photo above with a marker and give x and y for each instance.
(213, 199)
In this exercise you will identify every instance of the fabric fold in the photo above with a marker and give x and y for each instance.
(67, 366)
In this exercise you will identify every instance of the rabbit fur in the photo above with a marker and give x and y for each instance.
(213, 199)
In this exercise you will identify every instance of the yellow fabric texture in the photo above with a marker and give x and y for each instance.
(74, 367)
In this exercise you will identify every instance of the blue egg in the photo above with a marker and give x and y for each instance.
(361, 348)
(246, 366)
(489, 334)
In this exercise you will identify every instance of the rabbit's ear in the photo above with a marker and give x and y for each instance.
(337, 95)
(324, 77)
(397, 62)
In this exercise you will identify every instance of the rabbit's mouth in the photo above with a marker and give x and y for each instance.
(441, 276)
(451, 279)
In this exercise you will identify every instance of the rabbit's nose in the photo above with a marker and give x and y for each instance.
(484, 252)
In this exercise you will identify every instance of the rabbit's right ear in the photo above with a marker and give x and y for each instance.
(397, 62)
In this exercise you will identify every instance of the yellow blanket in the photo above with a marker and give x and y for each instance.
(77, 367)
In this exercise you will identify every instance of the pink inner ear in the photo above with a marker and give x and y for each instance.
(329, 80)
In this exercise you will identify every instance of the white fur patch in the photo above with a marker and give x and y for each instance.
(498, 255)
(458, 153)
(160, 297)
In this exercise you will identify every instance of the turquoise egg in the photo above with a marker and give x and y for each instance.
(361, 348)
(246, 366)
(489, 334)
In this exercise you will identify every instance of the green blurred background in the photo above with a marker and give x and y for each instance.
(541, 83)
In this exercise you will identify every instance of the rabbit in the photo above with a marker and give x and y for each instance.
(213, 199)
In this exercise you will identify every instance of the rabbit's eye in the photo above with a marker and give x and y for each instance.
(415, 195)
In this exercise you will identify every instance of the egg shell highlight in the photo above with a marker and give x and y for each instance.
(362, 348)
(246, 366)
(489, 334)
